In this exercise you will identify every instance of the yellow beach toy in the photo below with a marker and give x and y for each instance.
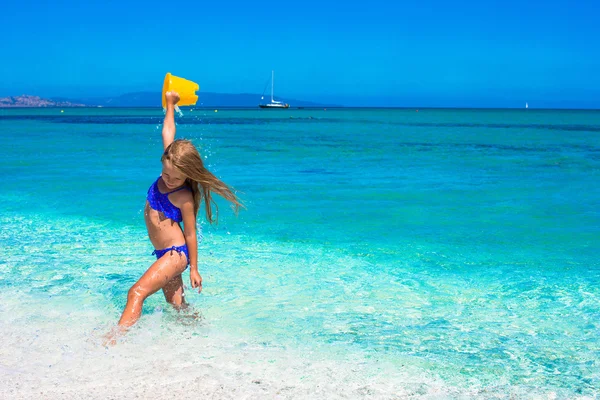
(186, 90)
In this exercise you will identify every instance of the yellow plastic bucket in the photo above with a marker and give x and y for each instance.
(186, 90)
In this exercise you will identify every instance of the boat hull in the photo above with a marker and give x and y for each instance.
(274, 105)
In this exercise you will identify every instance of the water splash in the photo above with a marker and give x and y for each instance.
(177, 110)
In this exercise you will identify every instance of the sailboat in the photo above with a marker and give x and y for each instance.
(273, 103)
(526, 105)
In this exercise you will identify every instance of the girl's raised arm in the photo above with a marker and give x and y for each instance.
(168, 131)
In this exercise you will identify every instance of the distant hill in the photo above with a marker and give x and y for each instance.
(205, 99)
(36, 101)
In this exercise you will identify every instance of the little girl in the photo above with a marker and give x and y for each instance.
(174, 198)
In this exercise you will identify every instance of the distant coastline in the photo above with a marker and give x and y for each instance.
(150, 99)
(34, 101)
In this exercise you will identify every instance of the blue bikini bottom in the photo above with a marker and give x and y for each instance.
(178, 249)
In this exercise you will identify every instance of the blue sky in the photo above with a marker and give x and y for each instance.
(392, 53)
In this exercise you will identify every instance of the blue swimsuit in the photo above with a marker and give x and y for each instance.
(160, 202)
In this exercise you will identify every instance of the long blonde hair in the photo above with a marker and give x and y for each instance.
(185, 157)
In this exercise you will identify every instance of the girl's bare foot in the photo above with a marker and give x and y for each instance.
(111, 338)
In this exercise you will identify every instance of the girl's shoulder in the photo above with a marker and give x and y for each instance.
(181, 196)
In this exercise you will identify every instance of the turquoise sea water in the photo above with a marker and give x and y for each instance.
(382, 254)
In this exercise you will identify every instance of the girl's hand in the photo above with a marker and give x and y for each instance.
(172, 97)
(196, 280)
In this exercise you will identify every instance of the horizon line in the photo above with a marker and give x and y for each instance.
(416, 108)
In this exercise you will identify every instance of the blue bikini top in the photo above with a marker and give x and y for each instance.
(160, 202)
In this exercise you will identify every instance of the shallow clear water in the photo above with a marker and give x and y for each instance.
(382, 254)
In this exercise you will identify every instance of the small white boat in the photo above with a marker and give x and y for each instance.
(273, 103)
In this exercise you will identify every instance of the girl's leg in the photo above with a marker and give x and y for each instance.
(156, 277)
(173, 291)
